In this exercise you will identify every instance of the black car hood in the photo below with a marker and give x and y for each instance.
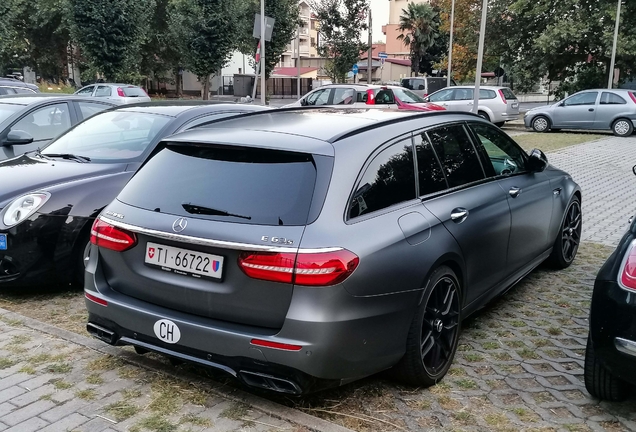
(25, 174)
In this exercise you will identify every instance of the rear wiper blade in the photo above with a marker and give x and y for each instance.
(69, 156)
(195, 209)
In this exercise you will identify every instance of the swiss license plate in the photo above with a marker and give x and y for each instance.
(184, 262)
(3, 242)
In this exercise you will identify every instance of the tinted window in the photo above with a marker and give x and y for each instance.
(435, 84)
(418, 84)
(45, 123)
(319, 97)
(457, 155)
(384, 97)
(86, 91)
(389, 179)
(504, 155)
(407, 96)
(103, 91)
(608, 98)
(588, 98)
(487, 94)
(89, 109)
(134, 92)
(430, 174)
(508, 94)
(440, 96)
(111, 136)
(256, 186)
(342, 96)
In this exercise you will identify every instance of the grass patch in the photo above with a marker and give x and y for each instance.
(196, 420)
(104, 363)
(517, 323)
(462, 416)
(503, 356)
(236, 411)
(155, 424)
(131, 393)
(471, 357)
(94, 379)
(527, 353)
(440, 388)
(39, 359)
(554, 331)
(121, 410)
(59, 368)
(541, 342)
(48, 397)
(6, 362)
(20, 339)
(61, 384)
(11, 322)
(87, 394)
(490, 345)
(56, 88)
(496, 420)
(466, 384)
(554, 141)
(28, 369)
(166, 397)
(456, 372)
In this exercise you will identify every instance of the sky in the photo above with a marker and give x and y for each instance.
(380, 16)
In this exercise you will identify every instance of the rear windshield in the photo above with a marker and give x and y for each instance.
(508, 93)
(232, 184)
(133, 92)
(407, 96)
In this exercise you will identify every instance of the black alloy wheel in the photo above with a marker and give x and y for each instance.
(569, 237)
(434, 333)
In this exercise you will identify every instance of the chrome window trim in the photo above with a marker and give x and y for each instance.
(215, 243)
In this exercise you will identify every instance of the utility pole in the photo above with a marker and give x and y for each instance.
(610, 81)
(370, 52)
(480, 55)
(298, 62)
(450, 47)
(263, 84)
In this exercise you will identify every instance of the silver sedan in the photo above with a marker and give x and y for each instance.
(602, 109)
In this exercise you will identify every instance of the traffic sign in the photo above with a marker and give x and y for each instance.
(383, 55)
(354, 69)
(349, 74)
(269, 27)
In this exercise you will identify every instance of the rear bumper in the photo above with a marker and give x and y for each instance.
(343, 338)
(613, 329)
(499, 117)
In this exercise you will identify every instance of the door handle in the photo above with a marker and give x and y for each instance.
(514, 191)
(459, 215)
(591, 109)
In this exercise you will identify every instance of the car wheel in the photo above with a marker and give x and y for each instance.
(484, 115)
(432, 338)
(623, 127)
(540, 124)
(599, 381)
(568, 238)
(500, 124)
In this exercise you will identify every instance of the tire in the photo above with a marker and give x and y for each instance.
(435, 329)
(622, 127)
(541, 124)
(484, 115)
(600, 382)
(566, 245)
(500, 124)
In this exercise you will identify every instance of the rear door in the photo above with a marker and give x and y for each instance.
(203, 208)
(577, 111)
(512, 103)
(610, 106)
(474, 210)
(462, 100)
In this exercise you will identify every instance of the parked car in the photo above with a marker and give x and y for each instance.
(496, 104)
(50, 198)
(424, 86)
(600, 109)
(302, 248)
(364, 96)
(122, 93)
(10, 86)
(28, 122)
(610, 356)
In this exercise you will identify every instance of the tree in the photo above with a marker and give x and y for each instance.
(341, 22)
(286, 13)
(419, 25)
(110, 34)
(206, 34)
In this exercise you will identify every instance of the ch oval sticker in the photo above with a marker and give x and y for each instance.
(167, 331)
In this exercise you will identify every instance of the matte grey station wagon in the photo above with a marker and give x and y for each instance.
(305, 248)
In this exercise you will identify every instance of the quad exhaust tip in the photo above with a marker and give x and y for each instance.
(101, 333)
(269, 382)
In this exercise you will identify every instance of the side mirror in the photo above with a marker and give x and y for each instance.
(18, 137)
(303, 102)
(427, 99)
(537, 161)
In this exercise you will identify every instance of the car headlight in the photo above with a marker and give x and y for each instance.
(23, 207)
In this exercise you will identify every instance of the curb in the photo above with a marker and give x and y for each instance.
(265, 406)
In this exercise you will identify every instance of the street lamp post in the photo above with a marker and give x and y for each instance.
(450, 47)
(480, 55)
(610, 81)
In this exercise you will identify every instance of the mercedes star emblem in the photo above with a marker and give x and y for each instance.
(179, 225)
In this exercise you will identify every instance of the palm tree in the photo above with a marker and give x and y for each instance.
(419, 25)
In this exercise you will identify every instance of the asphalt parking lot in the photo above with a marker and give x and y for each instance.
(519, 365)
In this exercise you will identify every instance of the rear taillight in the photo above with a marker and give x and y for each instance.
(503, 98)
(310, 269)
(120, 92)
(627, 277)
(633, 96)
(110, 237)
(275, 345)
(370, 97)
(95, 299)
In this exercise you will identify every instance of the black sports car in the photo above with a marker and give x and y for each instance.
(49, 198)
(610, 357)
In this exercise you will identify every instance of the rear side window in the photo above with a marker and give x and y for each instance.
(430, 174)
(240, 185)
(103, 91)
(487, 94)
(508, 93)
(406, 83)
(384, 97)
(457, 155)
(89, 109)
(134, 92)
(608, 98)
(389, 179)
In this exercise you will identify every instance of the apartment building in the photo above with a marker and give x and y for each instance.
(394, 47)
(308, 38)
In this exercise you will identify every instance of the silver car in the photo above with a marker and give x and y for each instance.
(122, 93)
(600, 109)
(496, 104)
